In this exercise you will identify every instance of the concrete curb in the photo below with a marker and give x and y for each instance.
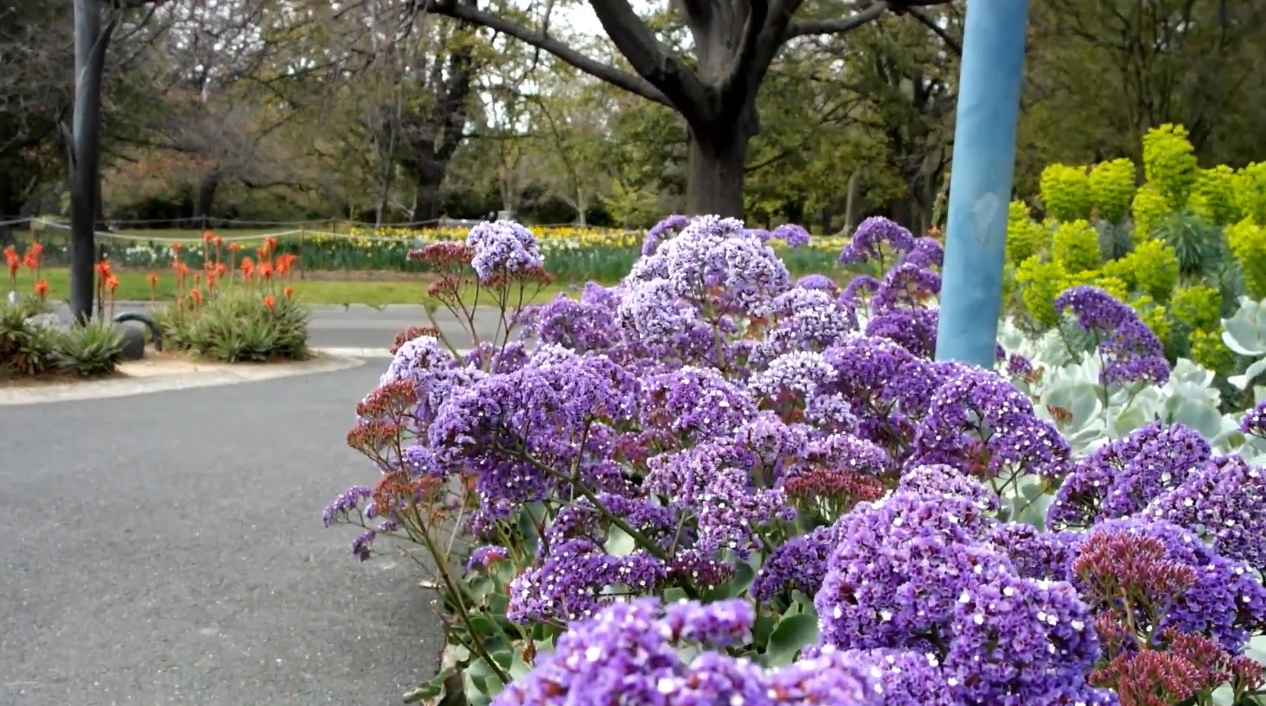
(201, 375)
(361, 353)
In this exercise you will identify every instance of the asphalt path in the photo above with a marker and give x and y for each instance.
(168, 549)
(359, 326)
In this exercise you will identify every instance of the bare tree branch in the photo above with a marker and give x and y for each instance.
(840, 25)
(597, 69)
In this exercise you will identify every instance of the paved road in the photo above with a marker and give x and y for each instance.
(359, 326)
(144, 560)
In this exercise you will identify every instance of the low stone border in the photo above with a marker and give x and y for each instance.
(160, 375)
(358, 352)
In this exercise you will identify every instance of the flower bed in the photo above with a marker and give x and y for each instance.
(716, 485)
(237, 309)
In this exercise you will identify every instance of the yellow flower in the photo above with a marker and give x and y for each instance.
(1066, 192)
(1199, 307)
(1075, 246)
(1247, 242)
(1169, 162)
(1214, 195)
(1208, 350)
(1025, 237)
(1149, 207)
(1151, 268)
(1040, 283)
(1112, 188)
(1153, 316)
(1250, 191)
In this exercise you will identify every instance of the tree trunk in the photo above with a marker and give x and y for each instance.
(428, 202)
(582, 207)
(714, 177)
(83, 146)
(207, 187)
(852, 205)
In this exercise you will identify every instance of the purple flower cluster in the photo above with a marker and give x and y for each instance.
(1192, 588)
(503, 247)
(911, 574)
(1131, 351)
(1223, 502)
(1122, 477)
(629, 653)
(707, 419)
(978, 420)
(872, 237)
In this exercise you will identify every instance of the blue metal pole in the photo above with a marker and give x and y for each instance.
(990, 79)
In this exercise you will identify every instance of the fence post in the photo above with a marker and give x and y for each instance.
(990, 80)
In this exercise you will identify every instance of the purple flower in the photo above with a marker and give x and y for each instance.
(798, 564)
(1254, 421)
(1223, 503)
(1131, 351)
(570, 583)
(805, 320)
(1219, 598)
(1122, 477)
(485, 556)
(910, 574)
(1035, 554)
(857, 288)
(793, 235)
(798, 374)
(926, 253)
(347, 501)
(665, 228)
(714, 482)
(503, 247)
(978, 417)
(576, 325)
(938, 480)
(696, 403)
(630, 652)
(871, 238)
(913, 329)
(822, 282)
(905, 285)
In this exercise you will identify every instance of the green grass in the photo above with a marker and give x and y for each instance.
(134, 286)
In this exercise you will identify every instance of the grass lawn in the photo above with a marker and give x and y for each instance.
(410, 289)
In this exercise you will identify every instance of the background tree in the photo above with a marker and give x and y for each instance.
(735, 43)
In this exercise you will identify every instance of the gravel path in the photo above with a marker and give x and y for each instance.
(167, 549)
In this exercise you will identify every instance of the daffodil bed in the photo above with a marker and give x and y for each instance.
(574, 254)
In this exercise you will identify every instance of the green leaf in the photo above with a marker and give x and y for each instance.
(793, 633)
(428, 689)
(744, 574)
(619, 543)
(519, 667)
(674, 595)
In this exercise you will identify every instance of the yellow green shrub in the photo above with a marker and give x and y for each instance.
(1112, 188)
(1214, 196)
(1153, 315)
(1198, 307)
(1075, 246)
(1151, 268)
(1169, 162)
(1025, 237)
(1115, 286)
(1040, 283)
(1250, 191)
(1066, 192)
(1208, 350)
(1247, 242)
(1149, 208)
